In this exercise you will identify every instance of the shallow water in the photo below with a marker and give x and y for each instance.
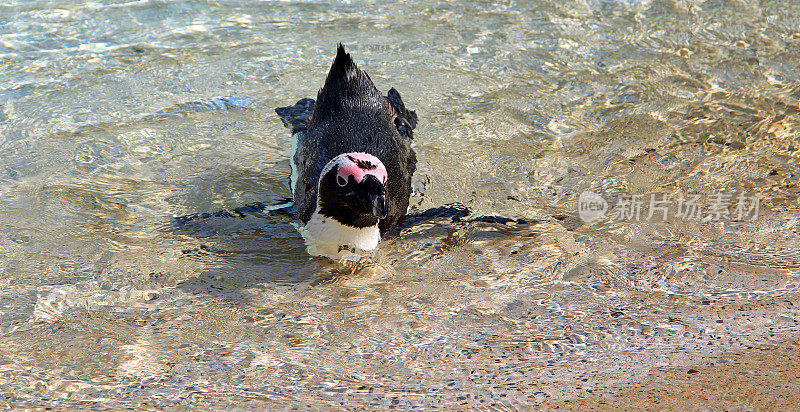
(116, 117)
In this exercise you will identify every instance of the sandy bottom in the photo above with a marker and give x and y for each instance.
(761, 378)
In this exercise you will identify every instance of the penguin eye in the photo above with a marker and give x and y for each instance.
(341, 181)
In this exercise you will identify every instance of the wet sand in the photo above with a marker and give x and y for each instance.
(762, 378)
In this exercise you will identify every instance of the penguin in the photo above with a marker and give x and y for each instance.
(352, 162)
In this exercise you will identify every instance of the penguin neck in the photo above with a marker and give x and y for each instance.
(326, 236)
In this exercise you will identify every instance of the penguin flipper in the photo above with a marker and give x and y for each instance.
(404, 120)
(458, 213)
(286, 207)
(297, 117)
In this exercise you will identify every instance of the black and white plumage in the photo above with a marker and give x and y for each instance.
(352, 161)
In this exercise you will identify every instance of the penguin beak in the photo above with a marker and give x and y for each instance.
(379, 206)
(371, 197)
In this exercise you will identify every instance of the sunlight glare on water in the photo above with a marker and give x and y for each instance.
(115, 118)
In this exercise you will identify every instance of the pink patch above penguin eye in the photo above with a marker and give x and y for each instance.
(359, 165)
(347, 170)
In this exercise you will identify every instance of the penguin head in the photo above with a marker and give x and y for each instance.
(352, 190)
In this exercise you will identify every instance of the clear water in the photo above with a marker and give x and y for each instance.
(116, 116)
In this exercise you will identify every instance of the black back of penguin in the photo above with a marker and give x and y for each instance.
(350, 115)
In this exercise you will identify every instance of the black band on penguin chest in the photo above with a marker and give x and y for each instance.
(346, 216)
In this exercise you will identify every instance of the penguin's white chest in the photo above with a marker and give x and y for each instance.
(325, 236)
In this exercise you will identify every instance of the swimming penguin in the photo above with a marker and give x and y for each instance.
(352, 161)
